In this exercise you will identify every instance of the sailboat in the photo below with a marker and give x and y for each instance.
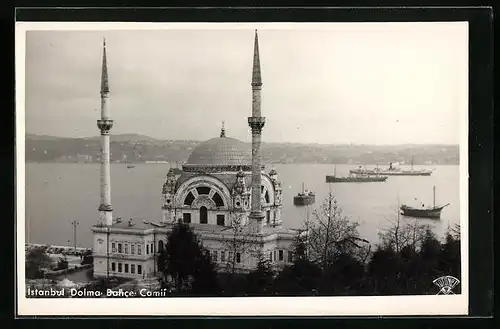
(354, 178)
(126, 163)
(424, 212)
(304, 198)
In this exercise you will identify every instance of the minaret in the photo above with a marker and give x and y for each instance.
(256, 123)
(105, 124)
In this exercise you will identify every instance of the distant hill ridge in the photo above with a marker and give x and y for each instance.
(141, 148)
(140, 137)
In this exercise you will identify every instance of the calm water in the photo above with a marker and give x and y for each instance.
(56, 194)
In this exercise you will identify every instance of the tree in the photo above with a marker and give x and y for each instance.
(450, 261)
(62, 264)
(260, 280)
(300, 278)
(384, 272)
(242, 241)
(87, 258)
(343, 277)
(37, 260)
(403, 234)
(331, 234)
(187, 263)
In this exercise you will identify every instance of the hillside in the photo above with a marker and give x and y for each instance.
(140, 148)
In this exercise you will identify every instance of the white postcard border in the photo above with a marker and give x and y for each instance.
(261, 306)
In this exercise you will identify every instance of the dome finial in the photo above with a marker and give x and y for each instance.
(222, 131)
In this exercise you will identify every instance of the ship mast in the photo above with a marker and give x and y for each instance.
(434, 195)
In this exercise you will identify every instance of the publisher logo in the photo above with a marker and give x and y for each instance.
(446, 284)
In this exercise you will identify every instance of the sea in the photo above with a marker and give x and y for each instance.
(59, 193)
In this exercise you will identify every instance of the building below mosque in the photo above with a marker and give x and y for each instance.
(216, 194)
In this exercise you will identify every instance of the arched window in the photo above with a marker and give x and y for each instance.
(218, 200)
(189, 199)
(160, 246)
(267, 196)
(203, 215)
(205, 190)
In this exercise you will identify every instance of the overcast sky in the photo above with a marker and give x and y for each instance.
(346, 83)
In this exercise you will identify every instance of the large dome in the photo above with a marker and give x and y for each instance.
(221, 151)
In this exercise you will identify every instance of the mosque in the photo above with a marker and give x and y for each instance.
(223, 192)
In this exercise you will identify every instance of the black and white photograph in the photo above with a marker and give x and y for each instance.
(186, 169)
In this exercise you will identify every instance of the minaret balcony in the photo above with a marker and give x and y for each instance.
(105, 124)
(256, 122)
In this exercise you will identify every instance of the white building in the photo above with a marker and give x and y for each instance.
(222, 192)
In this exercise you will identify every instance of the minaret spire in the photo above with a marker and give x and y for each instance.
(256, 77)
(256, 123)
(105, 124)
(104, 73)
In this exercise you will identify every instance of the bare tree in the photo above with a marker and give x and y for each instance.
(331, 234)
(454, 231)
(403, 233)
(243, 242)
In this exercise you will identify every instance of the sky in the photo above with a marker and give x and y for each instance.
(360, 83)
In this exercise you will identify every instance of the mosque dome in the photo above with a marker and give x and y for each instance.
(221, 151)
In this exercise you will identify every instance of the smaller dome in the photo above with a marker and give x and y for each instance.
(273, 172)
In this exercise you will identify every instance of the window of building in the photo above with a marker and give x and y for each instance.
(280, 255)
(113, 247)
(126, 248)
(203, 215)
(132, 249)
(205, 190)
(147, 249)
(160, 246)
(221, 220)
(132, 268)
(113, 267)
(238, 257)
(214, 256)
(222, 256)
(120, 248)
(120, 267)
(152, 248)
(266, 196)
(186, 217)
(139, 269)
(268, 216)
(139, 249)
(274, 255)
(271, 256)
(231, 259)
(218, 200)
(290, 256)
(189, 199)
(126, 268)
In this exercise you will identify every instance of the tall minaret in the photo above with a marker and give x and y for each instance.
(105, 124)
(256, 123)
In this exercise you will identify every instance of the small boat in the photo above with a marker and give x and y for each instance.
(129, 165)
(424, 212)
(354, 178)
(304, 198)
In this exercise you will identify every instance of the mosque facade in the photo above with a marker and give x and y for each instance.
(223, 192)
